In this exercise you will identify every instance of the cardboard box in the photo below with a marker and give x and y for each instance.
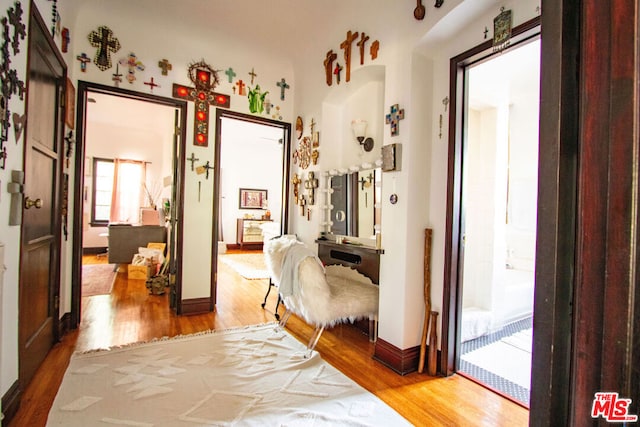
(139, 272)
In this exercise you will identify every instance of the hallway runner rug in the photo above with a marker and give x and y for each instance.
(249, 266)
(97, 279)
(249, 376)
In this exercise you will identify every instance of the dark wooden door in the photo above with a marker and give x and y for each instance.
(39, 268)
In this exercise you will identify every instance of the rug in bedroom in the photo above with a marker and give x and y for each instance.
(98, 279)
(256, 375)
(248, 265)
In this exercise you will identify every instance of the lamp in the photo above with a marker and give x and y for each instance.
(359, 128)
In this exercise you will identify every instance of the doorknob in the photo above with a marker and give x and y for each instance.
(28, 203)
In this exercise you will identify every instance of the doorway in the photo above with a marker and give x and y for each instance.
(492, 205)
(138, 138)
(251, 203)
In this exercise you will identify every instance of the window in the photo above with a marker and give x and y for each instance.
(102, 191)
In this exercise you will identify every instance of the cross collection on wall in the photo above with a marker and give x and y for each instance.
(107, 44)
(347, 45)
(11, 83)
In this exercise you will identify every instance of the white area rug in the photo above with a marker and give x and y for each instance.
(249, 266)
(509, 358)
(252, 376)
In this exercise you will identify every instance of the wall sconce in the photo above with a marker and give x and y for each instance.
(359, 128)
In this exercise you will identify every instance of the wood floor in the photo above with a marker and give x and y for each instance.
(130, 314)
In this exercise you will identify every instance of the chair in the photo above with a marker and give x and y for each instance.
(321, 296)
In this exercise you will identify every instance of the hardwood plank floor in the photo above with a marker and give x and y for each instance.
(129, 314)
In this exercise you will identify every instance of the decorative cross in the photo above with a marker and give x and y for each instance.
(337, 70)
(205, 80)
(314, 156)
(445, 102)
(242, 91)
(19, 29)
(282, 84)
(207, 168)
(231, 74)
(66, 39)
(295, 181)
(117, 76)
(363, 40)
(83, 58)
(301, 202)
(328, 66)
(105, 42)
(393, 118)
(375, 47)
(131, 62)
(312, 125)
(192, 159)
(486, 31)
(253, 75)
(346, 46)
(166, 66)
(311, 184)
(152, 84)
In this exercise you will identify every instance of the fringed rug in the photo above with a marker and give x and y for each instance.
(253, 376)
(249, 266)
(97, 279)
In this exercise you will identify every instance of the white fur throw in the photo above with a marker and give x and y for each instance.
(324, 297)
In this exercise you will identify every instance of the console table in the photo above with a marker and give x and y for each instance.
(249, 231)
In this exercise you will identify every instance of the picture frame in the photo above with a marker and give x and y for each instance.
(251, 198)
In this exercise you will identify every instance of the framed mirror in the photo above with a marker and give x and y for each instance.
(354, 203)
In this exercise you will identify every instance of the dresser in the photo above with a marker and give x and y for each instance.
(249, 231)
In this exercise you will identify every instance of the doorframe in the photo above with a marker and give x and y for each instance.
(286, 167)
(452, 291)
(83, 88)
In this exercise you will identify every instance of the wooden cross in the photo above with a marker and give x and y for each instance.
(363, 40)
(66, 39)
(241, 88)
(117, 76)
(346, 46)
(152, 84)
(83, 58)
(328, 66)
(252, 74)
(282, 84)
(202, 100)
(231, 74)
(192, 159)
(393, 118)
(166, 66)
(131, 62)
(375, 47)
(337, 70)
(105, 42)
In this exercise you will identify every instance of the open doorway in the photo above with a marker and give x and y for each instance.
(252, 174)
(127, 194)
(491, 213)
(498, 219)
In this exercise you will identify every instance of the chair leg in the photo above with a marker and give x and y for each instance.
(315, 338)
(285, 318)
(373, 328)
(278, 305)
(268, 292)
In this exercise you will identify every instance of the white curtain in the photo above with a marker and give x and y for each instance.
(126, 198)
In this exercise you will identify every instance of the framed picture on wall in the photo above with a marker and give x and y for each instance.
(252, 199)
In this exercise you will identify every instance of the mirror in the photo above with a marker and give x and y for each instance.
(355, 208)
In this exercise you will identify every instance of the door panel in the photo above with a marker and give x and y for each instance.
(39, 268)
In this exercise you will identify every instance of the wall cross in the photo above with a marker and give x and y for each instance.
(230, 74)
(363, 40)
(346, 46)
(192, 159)
(328, 66)
(105, 42)
(253, 75)
(393, 118)
(166, 66)
(83, 58)
(282, 84)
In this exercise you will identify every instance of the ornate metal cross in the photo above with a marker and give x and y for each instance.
(105, 42)
(192, 159)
